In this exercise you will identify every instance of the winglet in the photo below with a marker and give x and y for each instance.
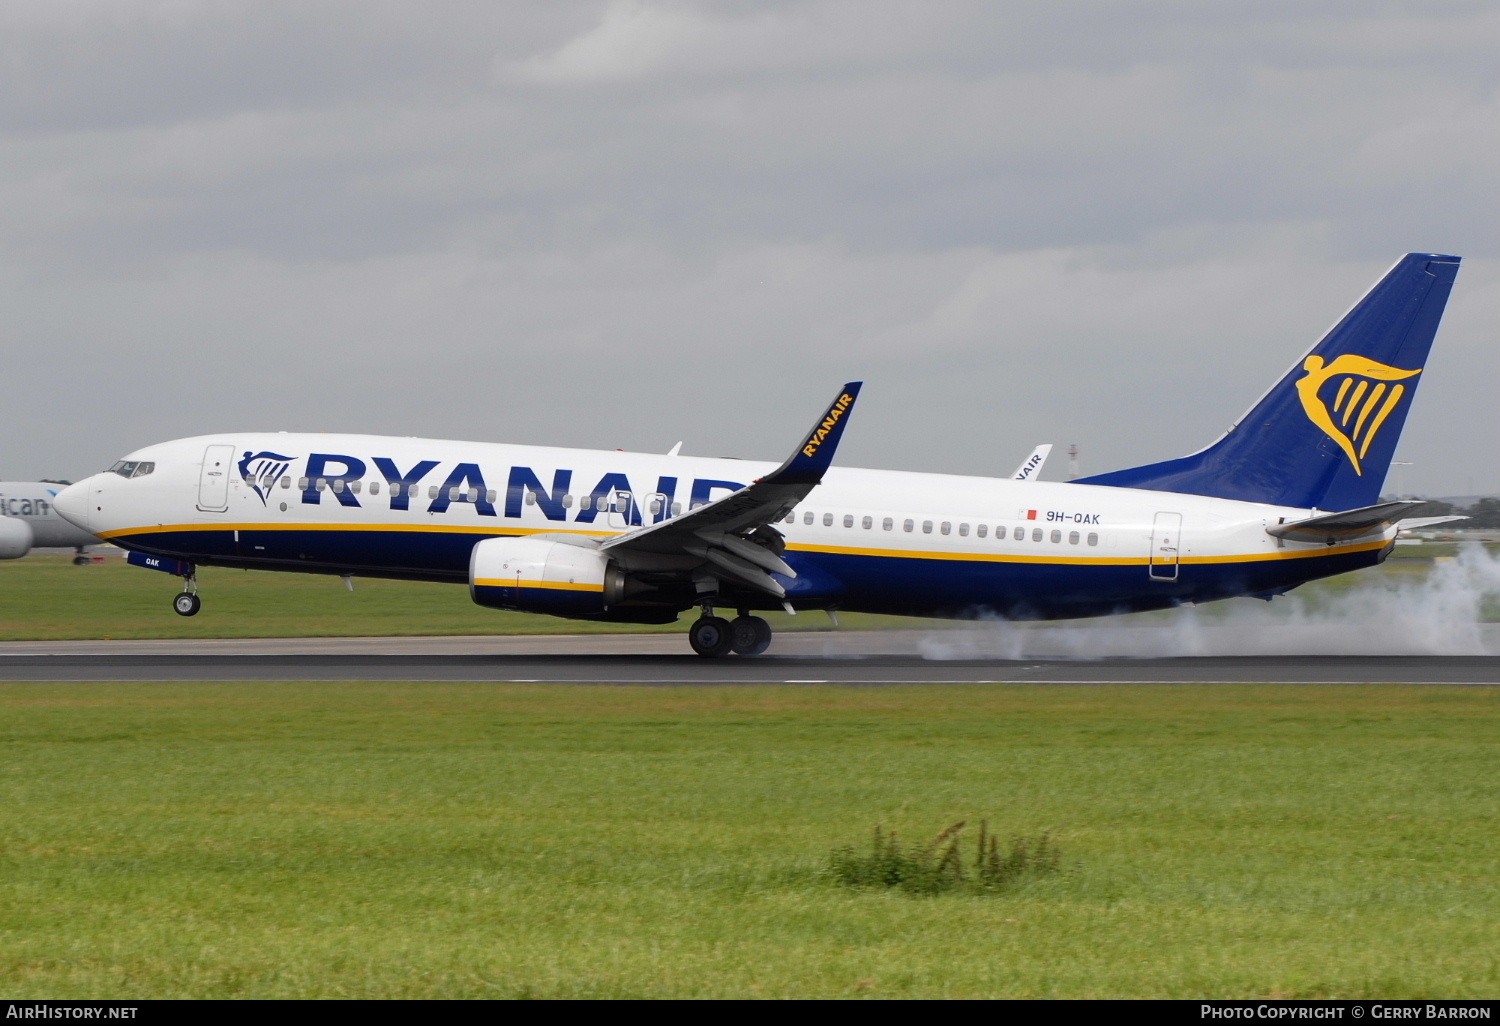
(813, 457)
(1031, 467)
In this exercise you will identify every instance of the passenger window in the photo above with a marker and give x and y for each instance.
(907, 526)
(655, 507)
(1056, 537)
(1072, 537)
(927, 527)
(355, 486)
(473, 494)
(982, 530)
(374, 486)
(567, 499)
(432, 491)
(338, 486)
(848, 519)
(676, 508)
(489, 496)
(947, 528)
(1093, 538)
(887, 524)
(286, 482)
(1000, 532)
(963, 530)
(867, 523)
(587, 502)
(531, 498)
(302, 483)
(322, 484)
(791, 518)
(1036, 534)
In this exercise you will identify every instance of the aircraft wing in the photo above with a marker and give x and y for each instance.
(732, 537)
(1356, 521)
(1031, 467)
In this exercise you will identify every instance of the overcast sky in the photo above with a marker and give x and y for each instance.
(619, 224)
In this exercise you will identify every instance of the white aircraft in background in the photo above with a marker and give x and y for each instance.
(641, 537)
(28, 520)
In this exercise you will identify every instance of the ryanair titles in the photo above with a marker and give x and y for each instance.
(423, 486)
(823, 430)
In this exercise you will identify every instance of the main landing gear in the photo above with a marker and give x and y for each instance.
(713, 636)
(187, 602)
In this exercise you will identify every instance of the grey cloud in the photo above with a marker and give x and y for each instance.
(621, 223)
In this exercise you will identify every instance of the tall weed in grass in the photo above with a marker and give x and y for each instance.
(938, 866)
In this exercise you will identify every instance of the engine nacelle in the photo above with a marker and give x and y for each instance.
(15, 537)
(537, 575)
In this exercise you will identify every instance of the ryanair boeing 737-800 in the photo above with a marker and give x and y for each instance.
(1289, 494)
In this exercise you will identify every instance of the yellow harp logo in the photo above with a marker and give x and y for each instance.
(1354, 415)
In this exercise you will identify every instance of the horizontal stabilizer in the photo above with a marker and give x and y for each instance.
(1349, 522)
(1413, 523)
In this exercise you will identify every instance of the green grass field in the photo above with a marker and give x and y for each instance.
(45, 597)
(390, 840)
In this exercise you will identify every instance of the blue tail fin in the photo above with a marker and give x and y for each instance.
(1324, 435)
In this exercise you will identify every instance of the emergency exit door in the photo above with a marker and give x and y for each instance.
(1166, 546)
(213, 479)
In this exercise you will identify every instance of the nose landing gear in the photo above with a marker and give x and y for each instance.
(187, 602)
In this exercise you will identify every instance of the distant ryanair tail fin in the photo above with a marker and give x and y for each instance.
(1324, 435)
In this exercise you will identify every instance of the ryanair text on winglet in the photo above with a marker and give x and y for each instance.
(834, 413)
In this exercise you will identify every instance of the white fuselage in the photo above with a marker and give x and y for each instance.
(891, 541)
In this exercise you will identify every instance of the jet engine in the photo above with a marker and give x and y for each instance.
(15, 537)
(541, 575)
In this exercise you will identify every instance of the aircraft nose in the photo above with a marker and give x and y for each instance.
(72, 503)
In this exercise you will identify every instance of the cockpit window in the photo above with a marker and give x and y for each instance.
(132, 468)
(142, 469)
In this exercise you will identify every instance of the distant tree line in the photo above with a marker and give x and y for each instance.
(1484, 515)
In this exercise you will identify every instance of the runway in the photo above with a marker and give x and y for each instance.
(856, 658)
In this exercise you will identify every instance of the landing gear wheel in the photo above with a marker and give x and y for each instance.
(186, 604)
(80, 561)
(711, 636)
(752, 635)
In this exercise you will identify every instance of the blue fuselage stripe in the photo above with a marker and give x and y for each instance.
(878, 583)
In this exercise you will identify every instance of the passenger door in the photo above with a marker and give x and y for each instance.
(213, 479)
(1166, 545)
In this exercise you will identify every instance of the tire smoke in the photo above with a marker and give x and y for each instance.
(1440, 613)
